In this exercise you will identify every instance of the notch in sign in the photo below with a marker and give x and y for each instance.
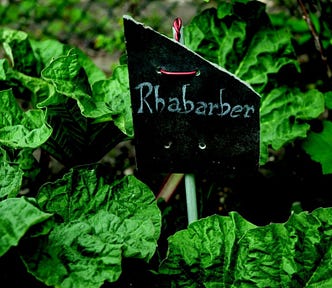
(190, 115)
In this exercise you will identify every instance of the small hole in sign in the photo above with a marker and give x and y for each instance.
(168, 145)
(201, 145)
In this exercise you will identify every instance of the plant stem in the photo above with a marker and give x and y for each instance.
(315, 35)
(168, 188)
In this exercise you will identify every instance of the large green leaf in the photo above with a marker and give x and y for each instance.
(47, 50)
(18, 48)
(70, 79)
(99, 224)
(17, 216)
(88, 120)
(268, 52)
(227, 251)
(104, 100)
(319, 147)
(10, 179)
(10, 176)
(205, 251)
(283, 114)
(20, 129)
(115, 92)
(30, 57)
(23, 74)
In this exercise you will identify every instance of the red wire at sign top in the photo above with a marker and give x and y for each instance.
(177, 25)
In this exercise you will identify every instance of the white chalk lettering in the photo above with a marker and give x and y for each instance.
(248, 110)
(143, 100)
(158, 100)
(212, 106)
(186, 102)
(223, 105)
(174, 105)
(236, 110)
(182, 104)
(201, 109)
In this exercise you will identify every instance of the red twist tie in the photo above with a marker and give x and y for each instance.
(178, 73)
(177, 25)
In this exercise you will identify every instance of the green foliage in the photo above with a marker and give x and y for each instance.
(17, 216)
(319, 145)
(66, 73)
(227, 251)
(80, 229)
(99, 224)
(11, 182)
(20, 129)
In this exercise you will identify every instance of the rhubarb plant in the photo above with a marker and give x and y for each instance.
(77, 228)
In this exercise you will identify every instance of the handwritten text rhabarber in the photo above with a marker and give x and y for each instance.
(151, 102)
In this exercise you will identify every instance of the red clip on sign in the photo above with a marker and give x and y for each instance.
(190, 116)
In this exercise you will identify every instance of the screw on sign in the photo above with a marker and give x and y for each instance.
(190, 115)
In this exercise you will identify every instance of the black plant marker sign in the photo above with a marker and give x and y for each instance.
(190, 115)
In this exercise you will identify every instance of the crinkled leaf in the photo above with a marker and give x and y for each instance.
(18, 48)
(30, 57)
(115, 93)
(10, 179)
(102, 223)
(319, 147)
(47, 50)
(20, 129)
(70, 78)
(283, 114)
(227, 251)
(23, 75)
(17, 216)
(205, 251)
(12, 172)
(33, 89)
(269, 50)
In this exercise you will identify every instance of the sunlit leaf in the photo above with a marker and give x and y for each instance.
(101, 223)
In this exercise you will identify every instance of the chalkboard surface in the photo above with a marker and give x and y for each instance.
(190, 115)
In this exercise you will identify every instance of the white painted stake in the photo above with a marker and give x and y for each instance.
(190, 186)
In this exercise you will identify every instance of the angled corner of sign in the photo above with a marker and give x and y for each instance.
(129, 18)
